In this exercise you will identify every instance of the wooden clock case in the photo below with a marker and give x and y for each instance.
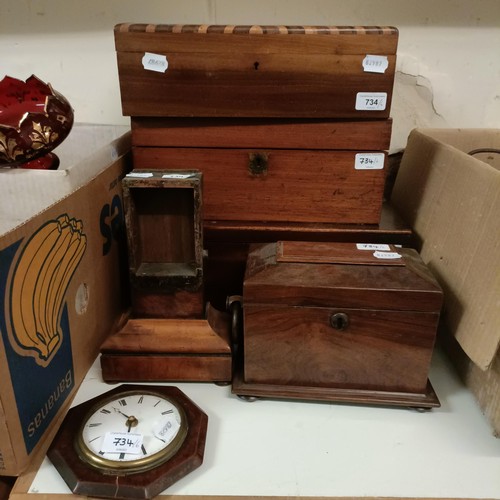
(163, 218)
(84, 480)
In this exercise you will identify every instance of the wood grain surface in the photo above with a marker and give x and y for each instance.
(351, 325)
(386, 287)
(170, 349)
(298, 185)
(379, 350)
(261, 133)
(253, 71)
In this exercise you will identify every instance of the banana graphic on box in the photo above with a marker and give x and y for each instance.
(38, 285)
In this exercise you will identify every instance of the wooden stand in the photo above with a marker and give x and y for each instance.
(169, 336)
(425, 400)
(160, 350)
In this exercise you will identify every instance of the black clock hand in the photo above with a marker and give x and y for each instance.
(131, 420)
(120, 412)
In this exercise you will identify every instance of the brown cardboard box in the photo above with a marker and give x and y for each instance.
(449, 192)
(59, 291)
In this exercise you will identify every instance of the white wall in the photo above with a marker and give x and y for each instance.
(448, 57)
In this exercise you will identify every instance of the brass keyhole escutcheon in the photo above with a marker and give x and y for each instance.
(258, 163)
(339, 321)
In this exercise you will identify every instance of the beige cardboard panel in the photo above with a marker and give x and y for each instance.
(486, 386)
(24, 192)
(472, 141)
(452, 200)
(9, 433)
(6, 451)
(466, 140)
(36, 390)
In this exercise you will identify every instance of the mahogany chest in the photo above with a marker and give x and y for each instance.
(283, 171)
(338, 321)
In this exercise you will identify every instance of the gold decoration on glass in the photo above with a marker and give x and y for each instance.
(38, 286)
(42, 136)
(9, 150)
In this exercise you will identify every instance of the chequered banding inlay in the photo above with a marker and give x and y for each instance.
(256, 30)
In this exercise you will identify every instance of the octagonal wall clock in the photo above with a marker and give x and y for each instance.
(131, 442)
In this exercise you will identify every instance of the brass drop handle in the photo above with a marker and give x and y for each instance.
(234, 305)
(258, 163)
(339, 321)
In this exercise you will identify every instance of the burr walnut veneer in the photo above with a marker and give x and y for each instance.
(338, 321)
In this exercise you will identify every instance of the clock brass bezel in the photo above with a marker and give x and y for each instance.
(124, 467)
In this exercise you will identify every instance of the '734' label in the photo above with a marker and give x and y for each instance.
(122, 442)
(369, 161)
(371, 101)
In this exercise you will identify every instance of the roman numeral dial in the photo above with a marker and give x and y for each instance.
(131, 429)
(130, 442)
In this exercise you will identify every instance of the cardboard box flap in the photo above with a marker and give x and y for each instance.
(81, 160)
(452, 201)
(482, 144)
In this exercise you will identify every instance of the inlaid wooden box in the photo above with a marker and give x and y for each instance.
(163, 214)
(285, 171)
(338, 321)
(256, 71)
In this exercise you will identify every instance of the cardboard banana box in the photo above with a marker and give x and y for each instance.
(59, 297)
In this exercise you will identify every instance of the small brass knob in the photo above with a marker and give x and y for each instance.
(339, 321)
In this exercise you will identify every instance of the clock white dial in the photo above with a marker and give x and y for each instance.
(132, 432)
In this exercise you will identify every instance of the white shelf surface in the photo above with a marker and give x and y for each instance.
(311, 449)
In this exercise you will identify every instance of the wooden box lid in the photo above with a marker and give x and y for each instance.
(348, 275)
(283, 133)
(256, 71)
